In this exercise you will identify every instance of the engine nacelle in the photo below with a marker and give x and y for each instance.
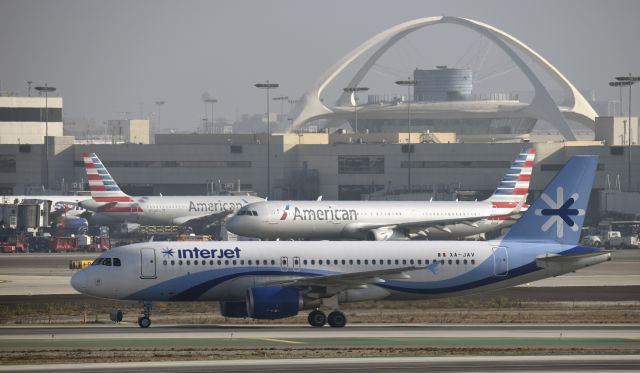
(383, 234)
(233, 309)
(273, 302)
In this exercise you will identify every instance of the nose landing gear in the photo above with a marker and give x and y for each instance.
(144, 320)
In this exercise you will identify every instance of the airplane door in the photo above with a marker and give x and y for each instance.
(296, 264)
(500, 261)
(147, 263)
(284, 264)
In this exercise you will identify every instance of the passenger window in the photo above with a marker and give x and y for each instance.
(219, 262)
(419, 261)
(464, 261)
(204, 262)
(211, 262)
(320, 262)
(366, 261)
(195, 262)
(242, 262)
(173, 262)
(226, 262)
(351, 261)
(179, 262)
(473, 261)
(234, 262)
(273, 262)
(373, 261)
(335, 261)
(249, 262)
(188, 262)
(344, 262)
(404, 261)
(457, 261)
(313, 261)
(449, 261)
(358, 262)
(304, 261)
(411, 261)
(397, 261)
(164, 262)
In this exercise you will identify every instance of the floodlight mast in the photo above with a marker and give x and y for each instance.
(268, 86)
(46, 89)
(408, 83)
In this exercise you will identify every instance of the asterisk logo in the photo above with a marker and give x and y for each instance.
(559, 212)
(167, 252)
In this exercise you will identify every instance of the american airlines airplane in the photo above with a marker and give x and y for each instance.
(114, 206)
(277, 279)
(60, 204)
(384, 220)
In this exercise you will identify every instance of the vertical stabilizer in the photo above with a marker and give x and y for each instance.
(558, 214)
(102, 186)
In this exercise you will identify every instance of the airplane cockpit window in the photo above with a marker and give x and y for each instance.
(107, 262)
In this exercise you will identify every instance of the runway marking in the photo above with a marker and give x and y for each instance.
(281, 340)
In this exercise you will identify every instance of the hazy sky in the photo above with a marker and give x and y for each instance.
(111, 57)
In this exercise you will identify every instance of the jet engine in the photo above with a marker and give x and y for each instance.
(273, 302)
(233, 309)
(383, 234)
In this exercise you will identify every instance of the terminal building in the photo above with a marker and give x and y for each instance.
(455, 148)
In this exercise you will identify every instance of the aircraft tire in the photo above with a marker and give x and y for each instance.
(337, 319)
(144, 322)
(317, 318)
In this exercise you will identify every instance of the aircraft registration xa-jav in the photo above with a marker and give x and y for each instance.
(385, 220)
(277, 279)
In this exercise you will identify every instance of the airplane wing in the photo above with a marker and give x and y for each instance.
(441, 224)
(329, 285)
(216, 218)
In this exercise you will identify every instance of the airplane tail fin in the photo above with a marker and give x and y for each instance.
(558, 214)
(514, 186)
(102, 186)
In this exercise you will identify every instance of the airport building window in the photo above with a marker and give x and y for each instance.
(456, 164)
(173, 164)
(8, 163)
(30, 114)
(360, 164)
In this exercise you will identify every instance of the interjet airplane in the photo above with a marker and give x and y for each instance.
(112, 205)
(278, 279)
(385, 220)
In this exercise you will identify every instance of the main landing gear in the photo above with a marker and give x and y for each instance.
(144, 320)
(336, 319)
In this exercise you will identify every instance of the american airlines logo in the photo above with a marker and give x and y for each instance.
(319, 214)
(559, 212)
(213, 206)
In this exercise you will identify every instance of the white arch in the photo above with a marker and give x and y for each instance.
(542, 106)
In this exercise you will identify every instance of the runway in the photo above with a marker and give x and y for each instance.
(567, 363)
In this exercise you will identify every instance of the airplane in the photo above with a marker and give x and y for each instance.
(112, 205)
(60, 204)
(277, 279)
(389, 220)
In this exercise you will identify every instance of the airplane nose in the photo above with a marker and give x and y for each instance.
(79, 281)
(232, 224)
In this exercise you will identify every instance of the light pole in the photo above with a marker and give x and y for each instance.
(281, 99)
(211, 101)
(628, 81)
(409, 83)
(159, 103)
(46, 89)
(354, 92)
(268, 86)
(29, 82)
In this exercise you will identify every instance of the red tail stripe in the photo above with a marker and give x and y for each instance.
(523, 177)
(520, 191)
(113, 199)
(94, 177)
(504, 205)
(97, 188)
(528, 164)
(89, 165)
(532, 151)
(85, 154)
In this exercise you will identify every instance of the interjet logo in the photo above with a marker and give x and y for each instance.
(167, 253)
(559, 212)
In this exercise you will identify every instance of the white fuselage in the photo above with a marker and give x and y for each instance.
(354, 219)
(172, 210)
(223, 271)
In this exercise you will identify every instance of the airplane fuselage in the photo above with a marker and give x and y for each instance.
(172, 210)
(223, 271)
(351, 219)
